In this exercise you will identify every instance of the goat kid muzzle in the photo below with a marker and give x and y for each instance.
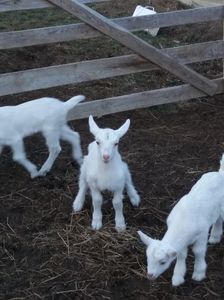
(106, 158)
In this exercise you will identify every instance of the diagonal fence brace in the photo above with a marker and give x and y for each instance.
(136, 44)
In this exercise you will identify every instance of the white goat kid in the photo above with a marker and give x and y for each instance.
(188, 225)
(103, 169)
(45, 115)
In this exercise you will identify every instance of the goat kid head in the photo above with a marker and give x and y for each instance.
(159, 256)
(107, 139)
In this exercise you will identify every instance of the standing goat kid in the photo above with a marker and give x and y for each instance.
(45, 115)
(188, 225)
(103, 169)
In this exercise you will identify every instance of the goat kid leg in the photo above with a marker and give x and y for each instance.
(73, 138)
(80, 198)
(20, 157)
(180, 269)
(118, 207)
(52, 141)
(131, 191)
(97, 200)
(216, 231)
(199, 249)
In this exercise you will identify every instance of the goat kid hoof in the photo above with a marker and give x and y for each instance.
(214, 240)
(42, 173)
(198, 276)
(96, 225)
(77, 206)
(34, 174)
(176, 281)
(120, 228)
(135, 200)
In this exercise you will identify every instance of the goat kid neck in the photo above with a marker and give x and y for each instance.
(176, 237)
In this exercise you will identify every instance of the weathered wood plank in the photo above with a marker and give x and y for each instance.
(139, 100)
(70, 32)
(136, 44)
(22, 81)
(10, 5)
(197, 52)
(174, 18)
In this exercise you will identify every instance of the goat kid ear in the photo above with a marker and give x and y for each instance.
(93, 126)
(123, 129)
(172, 253)
(145, 238)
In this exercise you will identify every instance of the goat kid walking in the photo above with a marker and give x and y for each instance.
(45, 115)
(188, 225)
(103, 169)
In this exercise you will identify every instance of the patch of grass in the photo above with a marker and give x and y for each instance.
(160, 41)
(26, 19)
(20, 20)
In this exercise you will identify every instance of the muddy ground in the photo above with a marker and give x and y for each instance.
(49, 253)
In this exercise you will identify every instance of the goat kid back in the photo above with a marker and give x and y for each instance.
(45, 115)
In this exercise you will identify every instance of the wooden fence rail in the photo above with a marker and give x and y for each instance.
(73, 73)
(70, 32)
(140, 100)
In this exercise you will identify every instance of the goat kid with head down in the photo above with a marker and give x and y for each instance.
(188, 225)
(103, 169)
(45, 115)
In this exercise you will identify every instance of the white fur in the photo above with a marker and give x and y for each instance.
(45, 115)
(103, 169)
(188, 225)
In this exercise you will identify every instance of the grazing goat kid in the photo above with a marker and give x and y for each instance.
(188, 225)
(103, 169)
(45, 115)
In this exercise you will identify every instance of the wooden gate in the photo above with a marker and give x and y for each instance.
(146, 57)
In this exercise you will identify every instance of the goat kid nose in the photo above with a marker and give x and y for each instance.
(106, 157)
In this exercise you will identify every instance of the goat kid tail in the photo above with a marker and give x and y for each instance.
(73, 101)
(221, 168)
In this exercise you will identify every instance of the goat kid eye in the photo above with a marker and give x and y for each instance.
(162, 262)
(115, 144)
(97, 143)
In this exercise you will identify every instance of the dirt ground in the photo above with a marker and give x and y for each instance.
(49, 253)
